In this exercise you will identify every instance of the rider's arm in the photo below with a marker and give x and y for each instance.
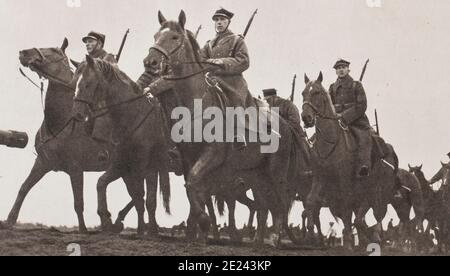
(359, 108)
(239, 62)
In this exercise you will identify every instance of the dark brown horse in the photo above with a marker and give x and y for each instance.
(137, 126)
(333, 157)
(441, 205)
(209, 166)
(62, 145)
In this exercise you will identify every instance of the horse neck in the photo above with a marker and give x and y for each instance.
(327, 129)
(124, 114)
(58, 105)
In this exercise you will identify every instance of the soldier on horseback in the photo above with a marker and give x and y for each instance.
(350, 102)
(229, 51)
(289, 112)
(94, 45)
(101, 130)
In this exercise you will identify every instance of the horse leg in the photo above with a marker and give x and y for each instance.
(151, 202)
(118, 225)
(40, 168)
(210, 159)
(76, 179)
(212, 216)
(361, 226)
(252, 209)
(135, 187)
(319, 226)
(105, 216)
(234, 234)
(261, 216)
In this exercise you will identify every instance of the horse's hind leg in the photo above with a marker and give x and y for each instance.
(252, 209)
(102, 184)
(77, 187)
(151, 202)
(234, 234)
(40, 168)
(135, 187)
(212, 216)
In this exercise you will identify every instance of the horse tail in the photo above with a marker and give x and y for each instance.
(220, 203)
(164, 184)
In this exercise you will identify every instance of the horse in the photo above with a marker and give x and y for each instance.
(334, 177)
(62, 145)
(138, 127)
(442, 199)
(208, 166)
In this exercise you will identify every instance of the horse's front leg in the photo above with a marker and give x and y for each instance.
(105, 216)
(213, 155)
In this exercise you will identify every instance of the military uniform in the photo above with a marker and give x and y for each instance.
(232, 51)
(349, 99)
(289, 112)
(101, 130)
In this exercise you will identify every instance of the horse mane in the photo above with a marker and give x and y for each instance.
(175, 26)
(111, 72)
(327, 94)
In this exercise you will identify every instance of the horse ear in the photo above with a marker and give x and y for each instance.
(65, 45)
(443, 164)
(320, 78)
(75, 63)
(420, 167)
(161, 18)
(409, 166)
(182, 19)
(307, 80)
(90, 61)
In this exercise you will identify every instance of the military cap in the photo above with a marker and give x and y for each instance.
(95, 35)
(341, 62)
(223, 13)
(270, 92)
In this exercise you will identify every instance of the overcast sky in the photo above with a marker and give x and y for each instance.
(407, 80)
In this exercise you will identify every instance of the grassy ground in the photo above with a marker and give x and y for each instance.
(40, 240)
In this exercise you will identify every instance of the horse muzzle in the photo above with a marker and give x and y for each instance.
(309, 121)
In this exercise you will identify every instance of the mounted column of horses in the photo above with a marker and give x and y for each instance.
(74, 100)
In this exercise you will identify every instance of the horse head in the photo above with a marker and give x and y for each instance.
(316, 101)
(89, 89)
(51, 63)
(445, 174)
(174, 47)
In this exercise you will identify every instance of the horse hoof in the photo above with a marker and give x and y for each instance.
(117, 228)
(83, 231)
(204, 223)
(6, 226)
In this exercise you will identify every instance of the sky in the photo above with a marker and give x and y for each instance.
(407, 79)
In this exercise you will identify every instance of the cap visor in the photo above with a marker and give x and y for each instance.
(89, 37)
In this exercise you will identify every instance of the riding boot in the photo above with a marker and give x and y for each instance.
(364, 152)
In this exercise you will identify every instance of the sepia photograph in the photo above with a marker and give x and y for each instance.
(208, 129)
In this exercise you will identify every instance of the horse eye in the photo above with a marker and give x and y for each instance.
(175, 37)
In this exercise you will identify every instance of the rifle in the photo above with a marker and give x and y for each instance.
(293, 88)
(250, 23)
(364, 71)
(122, 45)
(198, 31)
(376, 121)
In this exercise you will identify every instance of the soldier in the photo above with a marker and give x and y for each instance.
(289, 112)
(230, 52)
(350, 102)
(101, 130)
(94, 45)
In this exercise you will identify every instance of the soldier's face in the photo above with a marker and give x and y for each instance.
(342, 71)
(221, 24)
(91, 45)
